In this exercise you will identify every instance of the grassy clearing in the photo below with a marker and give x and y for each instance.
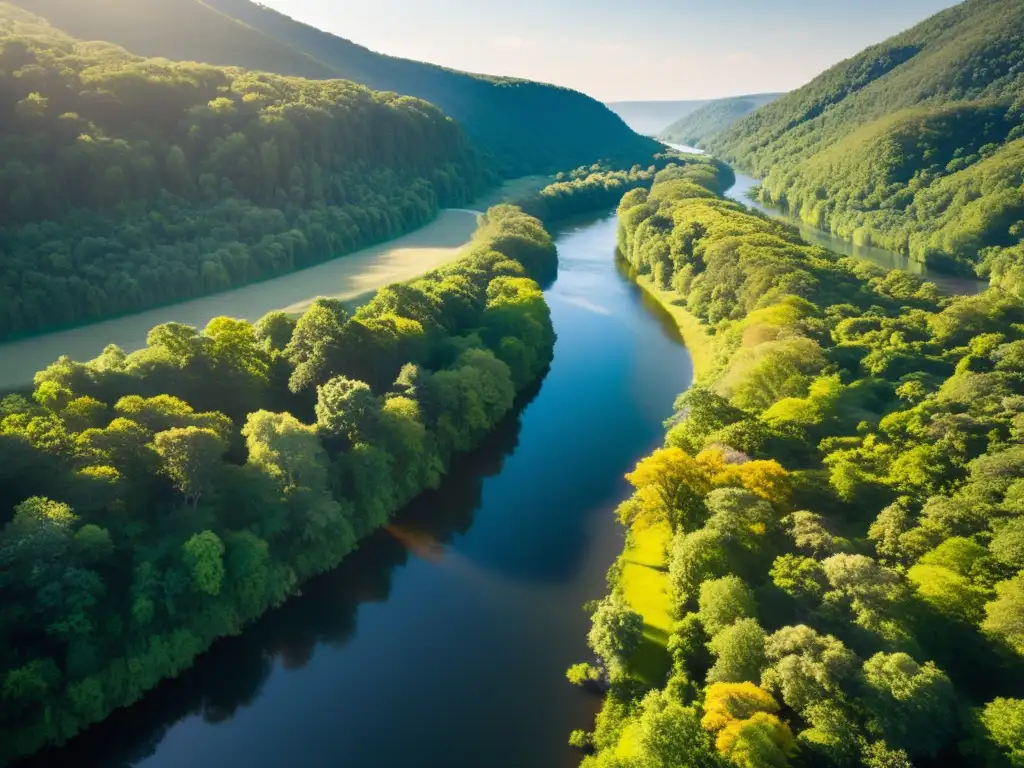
(695, 334)
(628, 747)
(646, 588)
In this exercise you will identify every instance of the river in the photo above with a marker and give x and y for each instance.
(740, 192)
(444, 641)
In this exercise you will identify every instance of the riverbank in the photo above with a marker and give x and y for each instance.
(789, 452)
(699, 342)
(475, 588)
(323, 478)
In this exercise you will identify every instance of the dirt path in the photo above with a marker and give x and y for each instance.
(346, 277)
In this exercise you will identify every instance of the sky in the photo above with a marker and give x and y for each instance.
(618, 50)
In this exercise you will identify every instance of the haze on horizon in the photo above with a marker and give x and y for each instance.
(612, 50)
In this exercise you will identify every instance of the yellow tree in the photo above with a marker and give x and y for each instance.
(728, 702)
(671, 486)
(749, 733)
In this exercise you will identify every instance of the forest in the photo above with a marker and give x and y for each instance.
(600, 186)
(128, 183)
(521, 127)
(915, 144)
(824, 562)
(159, 500)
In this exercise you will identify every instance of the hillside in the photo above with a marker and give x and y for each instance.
(649, 118)
(914, 144)
(128, 183)
(524, 127)
(703, 124)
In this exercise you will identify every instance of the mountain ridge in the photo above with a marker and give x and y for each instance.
(522, 126)
(912, 144)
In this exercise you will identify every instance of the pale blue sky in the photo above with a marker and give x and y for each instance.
(624, 49)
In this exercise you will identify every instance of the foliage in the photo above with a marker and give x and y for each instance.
(616, 633)
(913, 144)
(138, 182)
(159, 500)
(521, 126)
(1002, 724)
(845, 482)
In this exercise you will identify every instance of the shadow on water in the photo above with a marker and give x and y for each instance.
(231, 674)
(650, 304)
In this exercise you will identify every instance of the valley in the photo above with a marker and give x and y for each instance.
(366, 398)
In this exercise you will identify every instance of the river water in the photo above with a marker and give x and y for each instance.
(740, 192)
(443, 642)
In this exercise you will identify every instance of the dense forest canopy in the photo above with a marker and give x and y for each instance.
(155, 501)
(522, 126)
(127, 183)
(832, 531)
(914, 144)
(702, 125)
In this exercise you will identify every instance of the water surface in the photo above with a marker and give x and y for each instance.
(443, 642)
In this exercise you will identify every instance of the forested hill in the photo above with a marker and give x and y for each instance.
(703, 124)
(127, 182)
(522, 126)
(915, 144)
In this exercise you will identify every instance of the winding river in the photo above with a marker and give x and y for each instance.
(443, 642)
(740, 191)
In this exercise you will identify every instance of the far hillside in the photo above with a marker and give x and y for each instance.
(915, 144)
(521, 126)
(128, 183)
(711, 119)
(651, 117)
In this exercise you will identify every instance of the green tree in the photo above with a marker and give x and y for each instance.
(807, 668)
(191, 458)
(347, 408)
(203, 556)
(723, 602)
(615, 633)
(912, 706)
(1004, 616)
(739, 653)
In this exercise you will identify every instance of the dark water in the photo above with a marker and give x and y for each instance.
(740, 192)
(443, 643)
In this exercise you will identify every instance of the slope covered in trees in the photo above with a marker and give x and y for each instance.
(704, 124)
(836, 510)
(522, 126)
(127, 183)
(156, 501)
(914, 144)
